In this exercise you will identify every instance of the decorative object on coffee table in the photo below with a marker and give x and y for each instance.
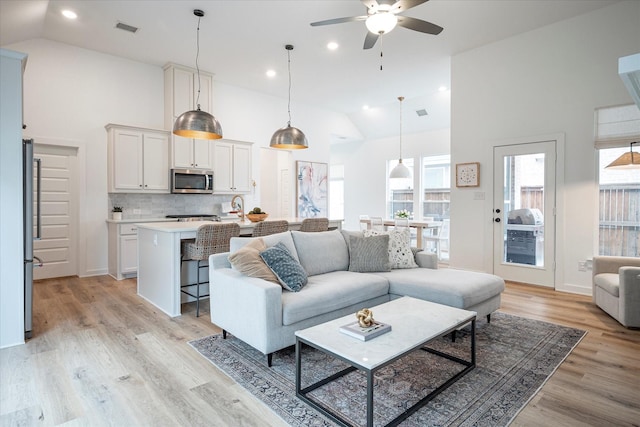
(365, 317)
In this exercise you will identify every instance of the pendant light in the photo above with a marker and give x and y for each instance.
(288, 137)
(628, 160)
(197, 124)
(400, 171)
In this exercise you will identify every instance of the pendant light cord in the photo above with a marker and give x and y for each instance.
(401, 98)
(197, 66)
(289, 69)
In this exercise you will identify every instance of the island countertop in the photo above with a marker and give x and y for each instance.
(246, 227)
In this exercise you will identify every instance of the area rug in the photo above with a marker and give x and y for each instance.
(515, 357)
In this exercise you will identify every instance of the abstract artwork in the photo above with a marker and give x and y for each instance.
(313, 186)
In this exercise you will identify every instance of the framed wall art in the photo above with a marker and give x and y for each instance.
(312, 189)
(468, 174)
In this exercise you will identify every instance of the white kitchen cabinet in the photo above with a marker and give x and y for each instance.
(232, 167)
(123, 250)
(181, 95)
(192, 153)
(138, 160)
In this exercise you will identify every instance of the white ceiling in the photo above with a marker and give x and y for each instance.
(241, 39)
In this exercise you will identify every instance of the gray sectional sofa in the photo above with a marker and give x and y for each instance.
(266, 316)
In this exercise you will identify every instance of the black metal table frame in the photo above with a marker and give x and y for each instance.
(303, 393)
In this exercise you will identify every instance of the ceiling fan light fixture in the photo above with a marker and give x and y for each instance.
(381, 22)
(629, 160)
(289, 137)
(197, 124)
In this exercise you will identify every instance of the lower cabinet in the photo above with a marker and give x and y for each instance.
(123, 250)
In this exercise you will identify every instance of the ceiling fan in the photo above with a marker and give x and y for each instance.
(383, 16)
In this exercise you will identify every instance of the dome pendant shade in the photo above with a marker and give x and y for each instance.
(197, 124)
(400, 171)
(628, 160)
(289, 138)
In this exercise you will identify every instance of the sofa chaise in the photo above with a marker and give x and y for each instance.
(264, 315)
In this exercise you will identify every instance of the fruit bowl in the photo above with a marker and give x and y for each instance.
(257, 217)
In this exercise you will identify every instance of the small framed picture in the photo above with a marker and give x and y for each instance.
(468, 174)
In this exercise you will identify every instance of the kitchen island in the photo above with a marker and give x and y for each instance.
(159, 271)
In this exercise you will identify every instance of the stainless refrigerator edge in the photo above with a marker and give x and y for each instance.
(31, 197)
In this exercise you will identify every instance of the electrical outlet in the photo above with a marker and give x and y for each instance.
(582, 265)
(478, 195)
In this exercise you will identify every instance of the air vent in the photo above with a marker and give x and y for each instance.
(125, 27)
(422, 112)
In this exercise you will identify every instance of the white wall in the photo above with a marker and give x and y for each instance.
(11, 243)
(546, 81)
(365, 169)
(72, 93)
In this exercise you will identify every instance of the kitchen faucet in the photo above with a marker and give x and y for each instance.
(233, 205)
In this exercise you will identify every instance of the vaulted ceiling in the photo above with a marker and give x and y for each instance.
(241, 39)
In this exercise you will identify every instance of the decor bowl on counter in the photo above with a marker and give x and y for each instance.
(257, 217)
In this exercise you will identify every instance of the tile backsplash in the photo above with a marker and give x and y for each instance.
(136, 206)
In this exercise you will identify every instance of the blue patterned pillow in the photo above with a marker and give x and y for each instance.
(289, 272)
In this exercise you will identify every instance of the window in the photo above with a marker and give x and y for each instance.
(619, 189)
(400, 194)
(336, 191)
(436, 186)
(619, 202)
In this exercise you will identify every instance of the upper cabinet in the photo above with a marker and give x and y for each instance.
(181, 86)
(232, 167)
(138, 160)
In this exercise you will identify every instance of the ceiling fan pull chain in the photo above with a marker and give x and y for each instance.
(381, 56)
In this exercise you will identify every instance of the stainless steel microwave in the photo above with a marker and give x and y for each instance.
(191, 181)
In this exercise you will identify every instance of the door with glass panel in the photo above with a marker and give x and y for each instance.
(524, 212)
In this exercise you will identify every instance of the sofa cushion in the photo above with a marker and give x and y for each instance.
(609, 282)
(285, 237)
(322, 252)
(328, 292)
(247, 260)
(400, 253)
(367, 254)
(289, 272)
(448, 286)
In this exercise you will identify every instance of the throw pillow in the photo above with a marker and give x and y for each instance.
(368, 254)
(247, 260)
(400, 253)
(287, 269)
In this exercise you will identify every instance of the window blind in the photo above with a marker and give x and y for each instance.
(617, 126)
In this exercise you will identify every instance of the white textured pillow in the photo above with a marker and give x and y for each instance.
(400, 253)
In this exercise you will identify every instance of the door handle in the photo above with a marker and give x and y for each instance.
(497, 220)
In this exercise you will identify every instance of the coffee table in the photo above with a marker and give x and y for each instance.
(414, 323)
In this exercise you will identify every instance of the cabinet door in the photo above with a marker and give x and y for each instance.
(202, 154)
(182, 91)
(242, 168)
(127, 160)
(206, 91)
(128, 254)
(182, 152)
(156, 162)
(223, 168)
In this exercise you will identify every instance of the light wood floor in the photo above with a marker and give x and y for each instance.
(103, 356)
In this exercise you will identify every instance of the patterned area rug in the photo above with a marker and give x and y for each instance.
(515, 357)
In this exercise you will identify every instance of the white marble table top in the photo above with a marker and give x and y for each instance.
(413, 323)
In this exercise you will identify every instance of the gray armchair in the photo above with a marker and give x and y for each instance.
(616, 288)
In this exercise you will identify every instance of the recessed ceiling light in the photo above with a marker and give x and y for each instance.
(69, 14)
(365, 107)
(332, 45)
(271, 73)
(442, 88)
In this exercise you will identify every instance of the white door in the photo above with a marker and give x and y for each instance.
(57, 247)
(524, 212)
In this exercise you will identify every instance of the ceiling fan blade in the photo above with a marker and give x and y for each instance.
(370, 3)
(339, 20)
(419, 25)
(402, 5)
(370, 40)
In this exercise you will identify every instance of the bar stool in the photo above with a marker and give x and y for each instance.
(210, 239)
(314, 224)
(264, 228)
